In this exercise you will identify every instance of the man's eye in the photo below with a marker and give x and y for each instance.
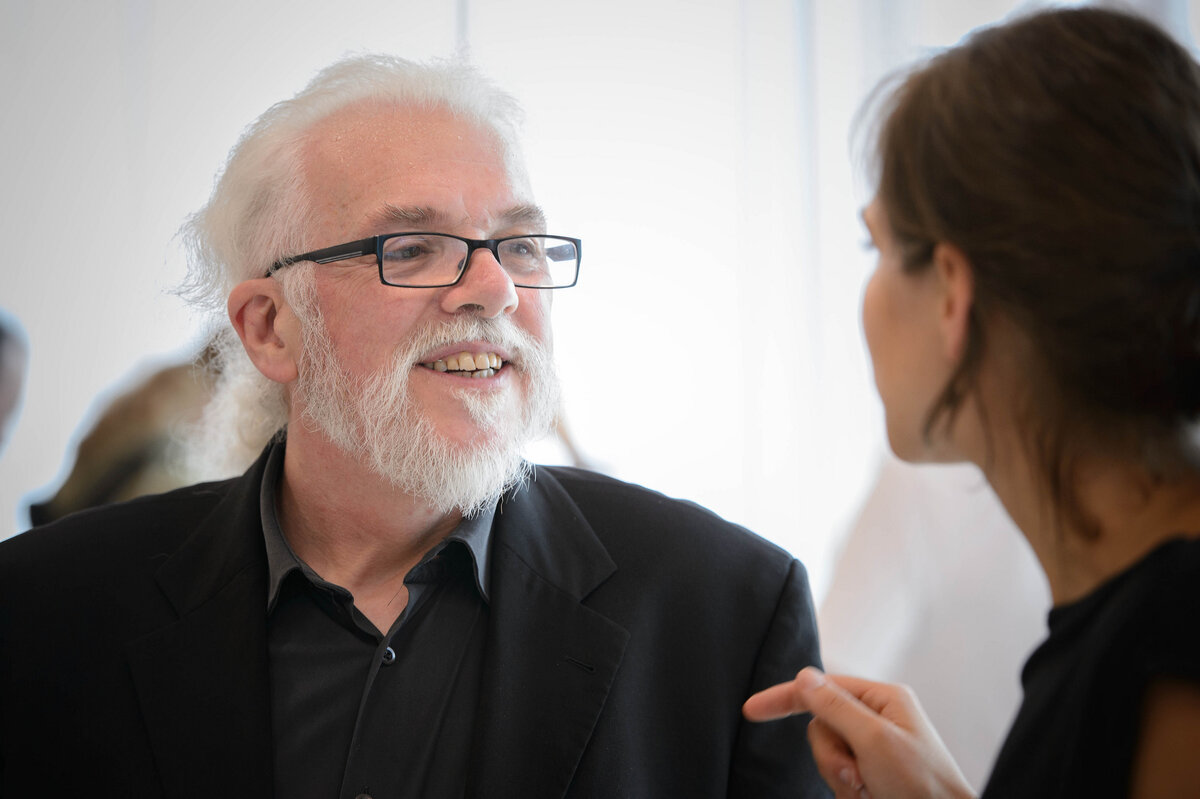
(405, 253)
(521, 248)
(563, 252)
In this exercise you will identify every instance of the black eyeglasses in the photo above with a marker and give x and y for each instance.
(434, 260)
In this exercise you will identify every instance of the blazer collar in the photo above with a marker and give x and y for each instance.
(541, 525)
(550, 659)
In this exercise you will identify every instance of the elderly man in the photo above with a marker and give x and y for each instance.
(390, 602)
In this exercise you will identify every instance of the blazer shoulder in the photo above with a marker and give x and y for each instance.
(627, 513)
(113, 533)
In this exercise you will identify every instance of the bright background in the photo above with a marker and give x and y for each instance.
(701, 149)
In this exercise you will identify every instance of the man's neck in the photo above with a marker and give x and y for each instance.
(353, 527)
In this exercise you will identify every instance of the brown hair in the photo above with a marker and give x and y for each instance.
(1061, 153)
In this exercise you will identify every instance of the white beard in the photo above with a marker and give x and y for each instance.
(377, 421)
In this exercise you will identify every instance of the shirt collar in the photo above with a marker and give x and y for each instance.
(474, 533)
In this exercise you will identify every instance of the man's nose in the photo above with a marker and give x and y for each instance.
(485, 288)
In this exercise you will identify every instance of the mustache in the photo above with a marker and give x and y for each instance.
(522, 347)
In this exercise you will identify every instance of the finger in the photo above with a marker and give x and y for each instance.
(894, 702)
(875, 695)
(846, 792)
(835, 761)
(772, 703)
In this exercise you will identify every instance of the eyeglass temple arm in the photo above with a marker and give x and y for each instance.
(340, 252)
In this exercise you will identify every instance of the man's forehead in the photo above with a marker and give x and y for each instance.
(366, 127)
(377, 168)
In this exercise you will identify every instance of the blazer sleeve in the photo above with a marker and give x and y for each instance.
(772, 759)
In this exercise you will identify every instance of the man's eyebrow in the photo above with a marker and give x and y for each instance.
(426, 218)
(410, 216)
(528, 215)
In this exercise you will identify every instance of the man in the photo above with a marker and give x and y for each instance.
(390, 602)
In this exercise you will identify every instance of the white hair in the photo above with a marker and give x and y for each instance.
(260, 212)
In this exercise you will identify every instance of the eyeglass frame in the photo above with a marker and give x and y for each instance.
(357, 249)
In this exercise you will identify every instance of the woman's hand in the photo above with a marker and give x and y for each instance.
(869, 739)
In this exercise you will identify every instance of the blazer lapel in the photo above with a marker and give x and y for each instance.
(550, 660)
(202, 681)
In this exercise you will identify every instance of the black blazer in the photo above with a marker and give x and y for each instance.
(626, 629)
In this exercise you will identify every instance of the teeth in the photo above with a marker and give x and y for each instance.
(483, 364)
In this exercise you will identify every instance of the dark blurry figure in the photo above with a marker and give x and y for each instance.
(14, 357)
(133, 448)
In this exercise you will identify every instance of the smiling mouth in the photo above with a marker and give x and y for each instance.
(482, 364)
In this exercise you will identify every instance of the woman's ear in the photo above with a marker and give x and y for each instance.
(957, 281)
(267, 327)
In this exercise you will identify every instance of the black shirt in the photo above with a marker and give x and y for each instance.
(1077, 729)
(355, 711)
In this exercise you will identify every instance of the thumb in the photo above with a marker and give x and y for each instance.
(836, 707)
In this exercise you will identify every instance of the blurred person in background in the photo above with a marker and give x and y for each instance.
(391, 601)
(14, 357)
(1036, 311)
(136, 446)
(934, 560)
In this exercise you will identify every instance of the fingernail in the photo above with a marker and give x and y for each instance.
(846, 775)
(810, 678)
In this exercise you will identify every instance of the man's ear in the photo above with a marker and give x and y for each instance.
(957, 279)
(267, 327)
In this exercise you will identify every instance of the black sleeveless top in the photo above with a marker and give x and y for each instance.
(1077, 729)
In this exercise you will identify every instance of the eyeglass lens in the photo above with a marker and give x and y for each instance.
(431, 260)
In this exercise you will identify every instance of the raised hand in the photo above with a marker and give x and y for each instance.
(869, 739)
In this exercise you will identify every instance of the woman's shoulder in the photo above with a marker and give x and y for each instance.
(1157, 594)
(1140, 623)
(1155, 653)
(1087, 685)
(1162, 605)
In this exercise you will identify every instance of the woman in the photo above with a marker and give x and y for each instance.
(1036, 310)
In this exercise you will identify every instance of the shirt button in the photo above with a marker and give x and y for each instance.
(389, 657)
